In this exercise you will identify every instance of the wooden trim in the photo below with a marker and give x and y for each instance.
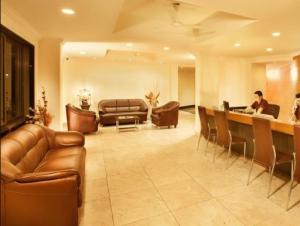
(276, 125)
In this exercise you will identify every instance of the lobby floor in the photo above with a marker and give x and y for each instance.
(155, 177)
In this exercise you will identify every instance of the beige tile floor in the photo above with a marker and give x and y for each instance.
(154, 177)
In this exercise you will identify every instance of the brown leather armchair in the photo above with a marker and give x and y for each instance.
(83, 121)
(42, 177)
(166, 115)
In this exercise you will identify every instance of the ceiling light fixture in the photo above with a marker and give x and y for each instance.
(166, 48)
(129, 44)
(269, 49)
(237, 44)
(82, 52)
(276, 34)
(68, 11)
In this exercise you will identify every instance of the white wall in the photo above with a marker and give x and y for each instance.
(49, 77)
(224, 78)
(186, 86)
(258, 77)
(108, 80)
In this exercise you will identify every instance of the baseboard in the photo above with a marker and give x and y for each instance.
(186, 106)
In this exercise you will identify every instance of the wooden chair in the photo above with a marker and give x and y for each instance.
(296, 169)
(206, 131)
(224, 136)
(265, 153)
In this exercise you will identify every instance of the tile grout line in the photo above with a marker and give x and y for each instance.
(216, 198)
(162, 199)
(213, 197)
(106, 177)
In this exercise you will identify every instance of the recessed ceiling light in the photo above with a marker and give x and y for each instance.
(276, 34)
(269, 49)
(129, 44)
(237, 44)
(68, 11)
(82, 52)
(166, 48)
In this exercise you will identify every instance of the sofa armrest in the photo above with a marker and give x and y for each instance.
(56, 201)
(68, 139)
(46, 176)
(64, 139)
(157, 110)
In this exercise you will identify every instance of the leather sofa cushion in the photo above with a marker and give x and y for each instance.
(62, 159)
(122, 109)
(109, 103)
(62, 152)
(110, 109)
(134, 108)
(138, 102)
(24, 148)
(124, 113)
(122, 103)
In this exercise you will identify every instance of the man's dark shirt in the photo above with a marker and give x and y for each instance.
(262, 104)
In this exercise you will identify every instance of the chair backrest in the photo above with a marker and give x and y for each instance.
(274, 110)
(171, 105)
(297, 151)
(221, 122)
(263, 141)
(203, 121)
(297, 113)
(226, 105)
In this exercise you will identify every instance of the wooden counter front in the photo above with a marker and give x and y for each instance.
(276, 125)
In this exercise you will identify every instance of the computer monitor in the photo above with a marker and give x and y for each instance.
(226, 105)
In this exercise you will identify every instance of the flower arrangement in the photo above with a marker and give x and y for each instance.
(40, 115)
(84, 99)
(153, 98)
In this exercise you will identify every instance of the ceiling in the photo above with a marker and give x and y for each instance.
(192, 26)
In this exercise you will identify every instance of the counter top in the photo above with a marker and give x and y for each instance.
(276, 125)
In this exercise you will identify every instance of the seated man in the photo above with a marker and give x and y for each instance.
(260, 105)
(296, 108)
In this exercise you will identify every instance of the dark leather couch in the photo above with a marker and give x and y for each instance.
(166, 115)
(111, 108)
(42, 174)
(83, 121)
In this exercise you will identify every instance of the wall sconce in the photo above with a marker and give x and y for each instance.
(84, 99)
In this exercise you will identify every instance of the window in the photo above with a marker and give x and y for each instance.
(17, 79)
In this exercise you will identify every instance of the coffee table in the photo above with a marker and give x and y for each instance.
(133, 122)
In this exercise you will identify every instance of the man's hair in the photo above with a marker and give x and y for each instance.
(298, 95)
(259, 93)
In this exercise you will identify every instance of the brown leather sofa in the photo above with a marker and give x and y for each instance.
(166, 115)
(111, 108)
(83, 121)
(42, 174)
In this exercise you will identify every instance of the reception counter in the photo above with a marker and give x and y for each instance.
(246, 119)
(241, 125)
